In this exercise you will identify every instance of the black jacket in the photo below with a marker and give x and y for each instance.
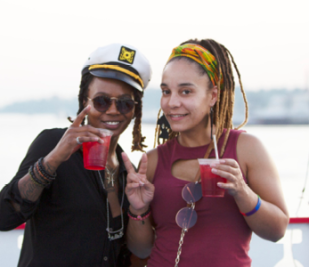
(67, 225)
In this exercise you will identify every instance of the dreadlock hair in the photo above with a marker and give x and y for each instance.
(138, 139)
(223, 109)
(83, 92)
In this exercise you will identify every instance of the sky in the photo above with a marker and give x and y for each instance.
(44, 44)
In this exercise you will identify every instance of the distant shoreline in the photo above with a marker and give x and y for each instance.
(148, 119)
(272, 107)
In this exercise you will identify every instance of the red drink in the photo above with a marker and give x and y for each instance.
(95, 154)
(209, 182)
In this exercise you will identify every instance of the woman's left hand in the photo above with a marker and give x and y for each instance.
(229, 169)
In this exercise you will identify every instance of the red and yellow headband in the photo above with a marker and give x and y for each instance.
(203, 57)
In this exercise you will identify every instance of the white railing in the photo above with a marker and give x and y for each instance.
(291, 251)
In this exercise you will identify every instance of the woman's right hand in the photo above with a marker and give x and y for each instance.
(68, 144)
(139, 190)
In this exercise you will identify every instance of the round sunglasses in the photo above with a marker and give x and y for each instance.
(103, 103)
(187, 217)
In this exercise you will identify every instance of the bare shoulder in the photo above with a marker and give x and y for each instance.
(254, 158)
(152, 162)
(246, 139)
(250, 149)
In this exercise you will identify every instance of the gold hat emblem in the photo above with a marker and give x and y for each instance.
(126, 55)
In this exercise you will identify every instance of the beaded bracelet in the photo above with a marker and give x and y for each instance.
(141, 217)
(256, 208)
(34, 178)
(38, 171)
(44, 172)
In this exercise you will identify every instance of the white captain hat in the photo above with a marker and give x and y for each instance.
(121, 62)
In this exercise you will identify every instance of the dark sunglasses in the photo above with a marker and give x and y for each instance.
(103, 103)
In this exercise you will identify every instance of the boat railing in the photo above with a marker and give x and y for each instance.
(290, 251)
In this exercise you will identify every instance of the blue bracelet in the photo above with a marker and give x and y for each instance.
(256, 208)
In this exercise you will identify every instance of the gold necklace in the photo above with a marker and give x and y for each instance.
(110, 175)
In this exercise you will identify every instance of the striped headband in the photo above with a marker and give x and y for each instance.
(203, 57)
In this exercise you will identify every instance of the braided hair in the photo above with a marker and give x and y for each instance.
(223, 109)
(138, 139)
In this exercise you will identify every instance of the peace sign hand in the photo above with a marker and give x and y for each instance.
(139, 190)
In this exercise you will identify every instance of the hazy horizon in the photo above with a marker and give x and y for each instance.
(265, 107)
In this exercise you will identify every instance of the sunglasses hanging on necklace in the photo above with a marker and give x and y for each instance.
(187, 216)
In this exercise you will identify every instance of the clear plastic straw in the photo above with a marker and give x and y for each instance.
(215, 144)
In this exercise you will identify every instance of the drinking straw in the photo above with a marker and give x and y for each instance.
(216, 148)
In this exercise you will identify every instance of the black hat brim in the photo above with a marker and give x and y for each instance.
(111, 74)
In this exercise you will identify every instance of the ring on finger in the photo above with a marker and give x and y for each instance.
(77, 140)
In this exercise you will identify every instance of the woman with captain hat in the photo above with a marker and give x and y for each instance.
(75, 216)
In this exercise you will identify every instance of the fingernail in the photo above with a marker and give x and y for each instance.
(141, 183)
(214, 170)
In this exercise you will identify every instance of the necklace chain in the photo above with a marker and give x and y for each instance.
(182, 236)
(112, 235)
(110, 175)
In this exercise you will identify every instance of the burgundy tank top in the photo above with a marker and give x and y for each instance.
(221, 236)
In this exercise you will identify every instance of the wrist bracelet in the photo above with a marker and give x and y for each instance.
(141, 217)
(34, 178)
(40, 173)
(44, 172)
(256, 208)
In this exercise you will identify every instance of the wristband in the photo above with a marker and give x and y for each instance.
(34, 178)
(256, 208)
(141, 217)
(40, 173)
(44, 172)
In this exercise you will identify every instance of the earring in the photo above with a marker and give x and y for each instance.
(163, 129)
(211, 120)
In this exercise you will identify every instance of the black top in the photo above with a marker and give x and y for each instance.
(67, 225)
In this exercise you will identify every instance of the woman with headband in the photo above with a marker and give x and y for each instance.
(191, 230)
(75, 216)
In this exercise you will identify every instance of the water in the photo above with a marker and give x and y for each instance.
(287, 145)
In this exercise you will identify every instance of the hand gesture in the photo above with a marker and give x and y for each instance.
(139, 190)
(74, 136)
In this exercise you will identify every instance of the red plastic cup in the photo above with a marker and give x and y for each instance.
(209, 180)
(95, 154)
